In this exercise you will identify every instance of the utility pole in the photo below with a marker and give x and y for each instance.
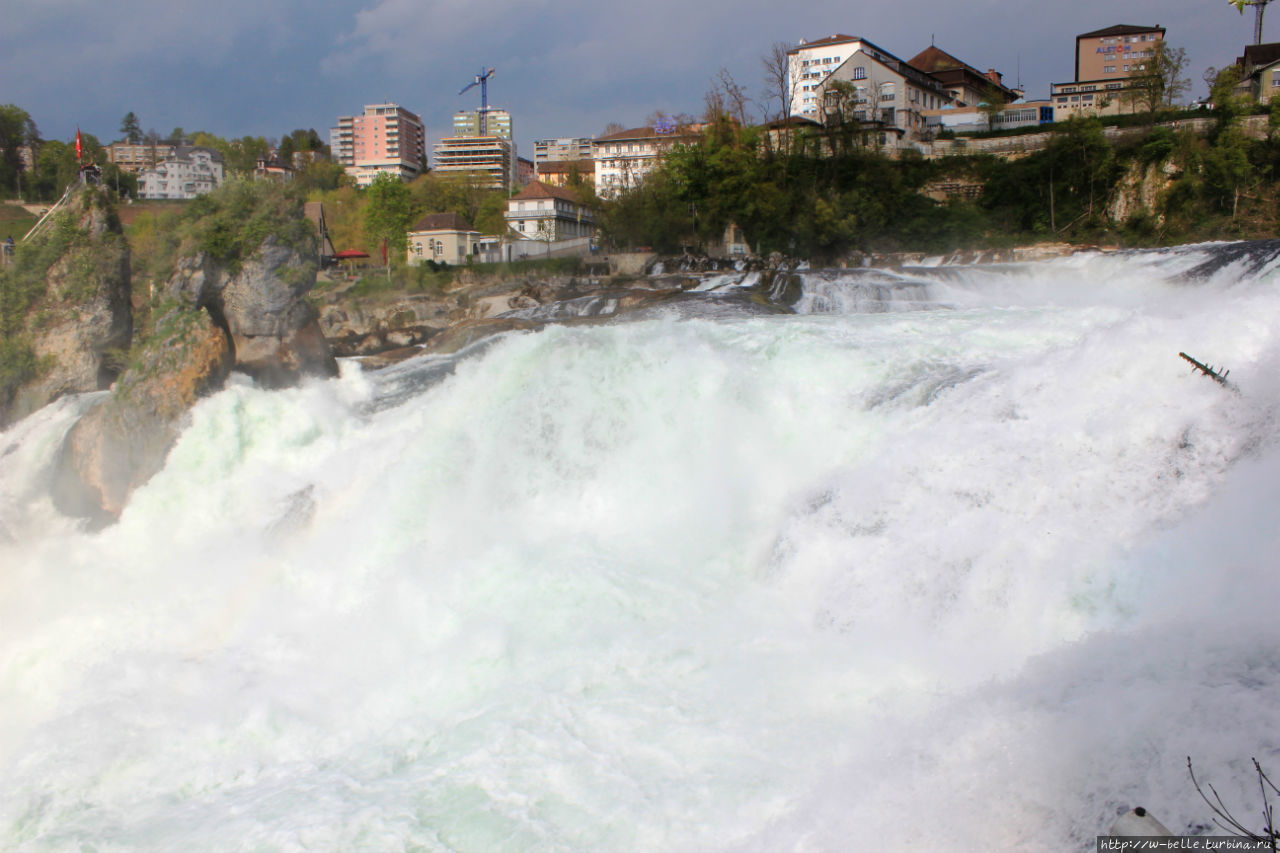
(1259, 7)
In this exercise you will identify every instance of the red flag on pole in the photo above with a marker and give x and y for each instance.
(384, 251)
(78, 149)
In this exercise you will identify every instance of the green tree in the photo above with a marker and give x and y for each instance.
(17, 131)
(387, 213)
(131, 128)
(992, 105)
(1161, 80)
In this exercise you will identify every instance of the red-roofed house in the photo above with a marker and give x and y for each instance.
(966, 84)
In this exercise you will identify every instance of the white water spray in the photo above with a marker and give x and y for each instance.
(976, 569)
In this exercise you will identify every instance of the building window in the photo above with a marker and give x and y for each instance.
(859, 73)
(1108, 69)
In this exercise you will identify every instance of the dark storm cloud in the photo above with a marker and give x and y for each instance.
(564, 68)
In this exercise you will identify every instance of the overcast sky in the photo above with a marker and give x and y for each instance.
(564, 68)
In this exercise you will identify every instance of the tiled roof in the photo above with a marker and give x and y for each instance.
(442, 222)
(933, 59)
(1256, 55)
(1121, 30)
(537, 189)
(555, 167)
(634, 133)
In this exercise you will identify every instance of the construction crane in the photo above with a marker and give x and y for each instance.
(482, 80)
(1260, 6)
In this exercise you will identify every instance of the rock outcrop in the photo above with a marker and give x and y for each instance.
(79, 322)
(262, 306)
(123, 442)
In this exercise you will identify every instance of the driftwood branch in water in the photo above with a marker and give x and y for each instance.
(1216, 375)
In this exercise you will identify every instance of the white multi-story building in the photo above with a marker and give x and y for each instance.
(622, 159)
(186, 173)
(887, 91)
(808, 64)
(884, 93)
(560, 150)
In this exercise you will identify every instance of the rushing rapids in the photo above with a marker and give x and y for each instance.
(953, 558)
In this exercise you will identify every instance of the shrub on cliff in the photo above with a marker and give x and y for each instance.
(64, 307)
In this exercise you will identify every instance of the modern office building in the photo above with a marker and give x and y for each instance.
(1106, 62)
(491, 159)
(385, 138)
(562, 149)
(497, 123)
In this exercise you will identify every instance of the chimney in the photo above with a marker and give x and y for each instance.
(994, 76)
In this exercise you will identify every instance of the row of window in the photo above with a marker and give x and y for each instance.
(829, 60)
(1129, 39)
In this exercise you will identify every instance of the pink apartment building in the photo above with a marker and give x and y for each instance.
(386, 138)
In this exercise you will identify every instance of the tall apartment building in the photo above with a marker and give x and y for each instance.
(497, 123)
(385, 138)
(1106, 59)
(491, 157)
(563, 149)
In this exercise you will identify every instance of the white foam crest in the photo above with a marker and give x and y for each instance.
(770, 583)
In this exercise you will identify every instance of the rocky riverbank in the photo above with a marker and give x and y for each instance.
(390, 326)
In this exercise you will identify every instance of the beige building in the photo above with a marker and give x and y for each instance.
(1259, 79)
(443, 238)
(1115, 52)
(558, 172)
(1106, 62)
(136, 156)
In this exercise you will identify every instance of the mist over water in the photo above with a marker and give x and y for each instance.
(956, 557)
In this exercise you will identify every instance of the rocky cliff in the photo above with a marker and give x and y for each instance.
(261, 304)
(241, 267)
(66, 311)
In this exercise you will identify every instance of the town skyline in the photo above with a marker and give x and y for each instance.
(562, 72)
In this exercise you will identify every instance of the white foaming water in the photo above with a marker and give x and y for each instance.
(976, 577)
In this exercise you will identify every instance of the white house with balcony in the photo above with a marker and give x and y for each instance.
(185, 173)
(549, 214)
